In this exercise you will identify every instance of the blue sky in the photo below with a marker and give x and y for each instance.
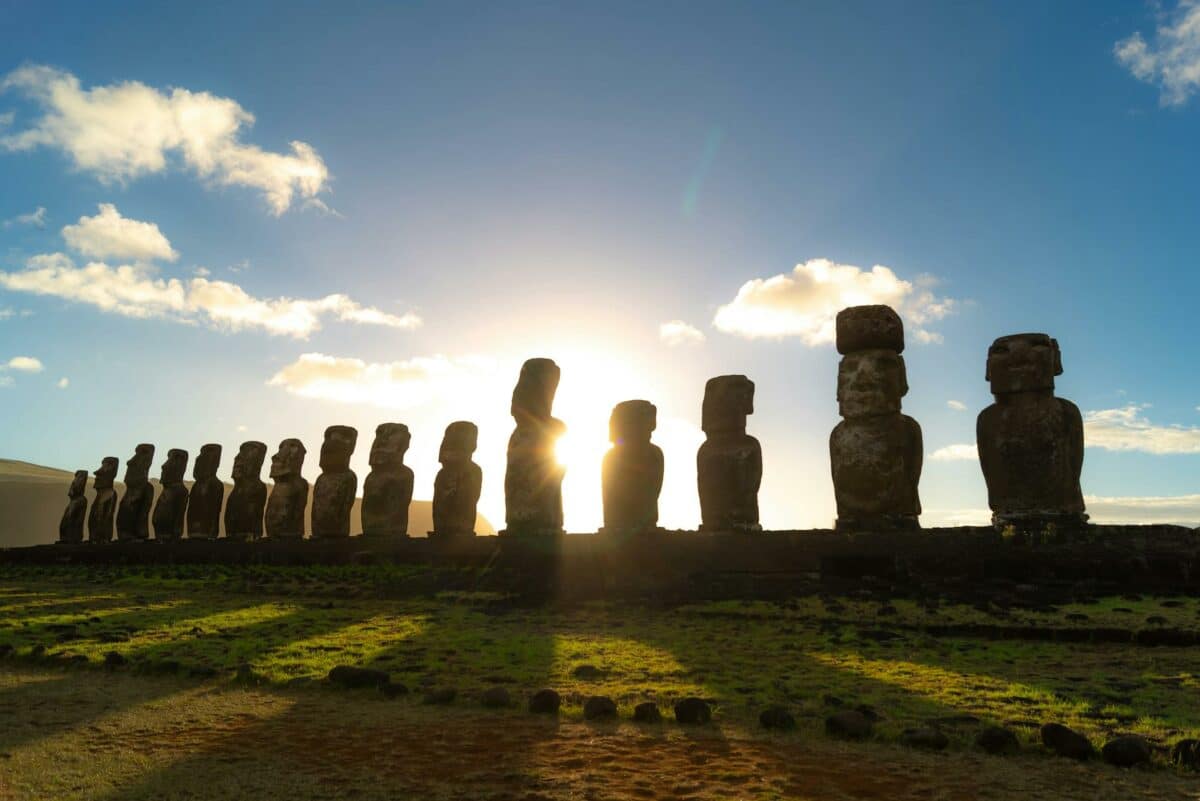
(481, 183)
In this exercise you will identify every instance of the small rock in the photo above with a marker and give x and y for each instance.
(245, 673)
(37, 651)
(868, 712)
(1156, 620)
(599, 707)
(998, 740)
(832, 700)
(545, 702)
(202, 671)
(647, 712)
(496, 698)
(5, 650)
(1066, 742)
(776, 717)
(1077, 617)
(355, 677)
(693, 711)
(392, 690)
(848, 725)
(1126, 750)
(927, 738)
(114, 659)
(587, 672)
(1186, 754)
(440, 696)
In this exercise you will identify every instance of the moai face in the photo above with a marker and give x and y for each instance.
(533, 397)
(174, 467)
(288, 460)
(78, 484)
(137, 469)
(728, 399)
(207, 462)
(390, 445)
(871, 383)
(632, 422)
(1023, 363)
(106, 473)
(337, 448)
(248, 462)
(459, 442)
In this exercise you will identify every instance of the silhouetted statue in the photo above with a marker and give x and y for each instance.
(133, 512)
(104, 506)
(289, 496)
(204, 506)
(172, 502)
(70, 528)
(729, 463)
(632, 471)
(1030, 442)
(388, 488)
(533, 479)
(875, 452)
(457, 485)
(244, 510)
(333, 495)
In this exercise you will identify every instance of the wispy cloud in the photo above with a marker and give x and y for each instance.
(957, 405)
(63, 382)
(677, 332)
(25, 364)
(395, 385)
(1128, 429)
(1171, 58)
(955, 453)
(35, 218)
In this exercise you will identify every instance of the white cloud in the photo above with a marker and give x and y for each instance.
(26, 364)
(1172, 59)
(955, 453)
(108, 235)
(64, 382)
(677, 332)
(1178, 509)
(957, 405)
(123, 131)
(36, 218)
(1127, 429)
(6, 381)
(395, 385)
(805, 302)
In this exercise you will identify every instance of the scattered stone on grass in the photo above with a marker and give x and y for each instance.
(1186, 754)
(496, 698)
(1066, 742)
(647, 712)
(114, 659)
(356, 677)
(926, 738)
(587, 672)
(848, 725)
(868, 712)
(545, 702)
(599, 707)
(5, 650)
(393, 690)
(693, 712)
(776, 717)
(1126, 750)
(997, 740)
(440, 696)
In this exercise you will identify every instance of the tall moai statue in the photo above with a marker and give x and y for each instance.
(208, 491)
(333, 494)
(133, 512)
(104, 506)
(289, 497)
(533, 478)
(388, 488)
(1030, 442)
(729, 462)
(172, 503)
(244, 510)
(632, 470)
(70, 528)
(458, 484)
(876, 452)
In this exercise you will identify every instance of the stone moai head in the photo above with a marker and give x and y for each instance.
(872, 378)
(288, 460)
(248, 462)
(78, 484)
(869, 328)
(207, 462)
(137, 469)
(458, 443)
(1023, 363)
(174, 467)
(533, 397)
(728, 399)
(390, 445)
(337, 448)
(632, 421)
(106, 473)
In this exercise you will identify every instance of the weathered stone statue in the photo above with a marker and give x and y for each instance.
(204, 506)
(244, 510)
(133, 512)
(388, 489)
(632, 471)
(70, 528)
(457, 485)
(172, 502)
(1030, 442)
(289, 496)
(533, 479)
(333, 495)
(876, 452)
(729, 463)
(104, 506)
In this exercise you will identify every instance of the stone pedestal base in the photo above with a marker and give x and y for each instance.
(878, 523)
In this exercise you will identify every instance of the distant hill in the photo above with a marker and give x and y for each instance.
(32, 499)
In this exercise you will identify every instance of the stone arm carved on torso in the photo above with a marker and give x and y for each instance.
(1074, 425)
(333, 497)
(456, 498)
(244, 511)
(914, 459)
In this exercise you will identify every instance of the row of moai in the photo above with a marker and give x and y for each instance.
(1030, 449)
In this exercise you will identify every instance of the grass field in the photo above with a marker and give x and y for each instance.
(221, 694)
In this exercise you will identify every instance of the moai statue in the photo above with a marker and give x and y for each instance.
(133, 512)
(244, 511)
(729, 462)
(875, 452)
(104, 506)
(533, 478)
(1030, 442)
(457, 486)
(204, 506)
(70, 528)
(388, 489)
(289, 497)
(172, 502)
(333, 495)
(632, 471)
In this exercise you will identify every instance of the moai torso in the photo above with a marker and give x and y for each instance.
(104, 506)
(208, 491)
(333, 494)
(244, 509)
(171, 506)
(632, 470)
(70, 528)
(388, 488)
(458, 484)
(729, 462)
(133, 512)
(533, 478)
(284, 516)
